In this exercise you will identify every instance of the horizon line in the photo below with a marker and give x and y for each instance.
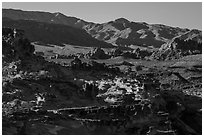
(101, 22)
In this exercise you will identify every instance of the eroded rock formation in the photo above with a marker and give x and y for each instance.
(41, 97)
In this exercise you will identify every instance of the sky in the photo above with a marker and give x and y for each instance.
(176, 14)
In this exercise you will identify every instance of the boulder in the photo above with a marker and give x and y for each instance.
(98, 53)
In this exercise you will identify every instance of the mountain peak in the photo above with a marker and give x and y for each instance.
(122, 20)
(58, 14)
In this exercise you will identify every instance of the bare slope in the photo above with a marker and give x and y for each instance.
(119, 32)
(54, 33)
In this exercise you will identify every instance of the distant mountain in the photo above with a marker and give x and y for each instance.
(46, 17)
(54, 33)
(120, 32)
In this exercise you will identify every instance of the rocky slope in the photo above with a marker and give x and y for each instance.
(188, 43)
(119, 32)
(45, 98)
(32, 86)
(122, 32)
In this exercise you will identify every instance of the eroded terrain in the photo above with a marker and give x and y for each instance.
(92, 97)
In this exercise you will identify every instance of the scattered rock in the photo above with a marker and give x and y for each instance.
(98, 53)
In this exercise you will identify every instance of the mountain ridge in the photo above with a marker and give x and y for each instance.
(120, 32)
(52, 33)
(3, 9)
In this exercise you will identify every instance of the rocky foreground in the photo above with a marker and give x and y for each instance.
(41, 97)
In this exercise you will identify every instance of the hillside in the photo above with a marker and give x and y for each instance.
(187, 44)
(119, 32)
(40, 97)
(55, 18)
(53, 33)
(122, 32)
